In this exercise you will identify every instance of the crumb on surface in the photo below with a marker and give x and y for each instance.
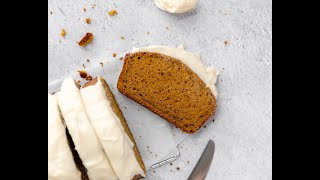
(154, 171)
(167, 27)
(178, 168)
(122, 37)
(114, 55)
(148, 32)
(88, 60)
(50, 12)
(84, 66)
(213, 120)
(83, 74)
(84, 9)
(121, 58)
(171, 164)
(101, 63)
(86, 40)
(226, 42)
(112, 12)
(204, 126)
(89, 78)
(147, 146)
(188, 162)
(63, 32)
(88, 21)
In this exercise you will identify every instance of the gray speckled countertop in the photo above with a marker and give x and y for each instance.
(242, 129)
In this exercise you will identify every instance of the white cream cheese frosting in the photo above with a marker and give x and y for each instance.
(176, 6)
(60, 160)
(193, 61)
(116, 143)
(82, 132)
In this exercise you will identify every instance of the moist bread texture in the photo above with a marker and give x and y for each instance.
(168, 88)
(117, 111)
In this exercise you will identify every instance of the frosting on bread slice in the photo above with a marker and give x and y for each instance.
(119, 147)
(82, 132)
(60, 160)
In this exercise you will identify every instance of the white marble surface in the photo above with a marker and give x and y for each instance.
(243, 127)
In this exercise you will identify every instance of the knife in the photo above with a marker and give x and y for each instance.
(201, 169)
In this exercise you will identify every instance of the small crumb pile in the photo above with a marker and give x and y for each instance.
(112, 12)
(63, 33)
(86, 40)
(88, 21)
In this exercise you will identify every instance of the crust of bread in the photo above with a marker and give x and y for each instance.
(190, 130)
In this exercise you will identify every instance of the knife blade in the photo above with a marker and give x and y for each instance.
(201, 169)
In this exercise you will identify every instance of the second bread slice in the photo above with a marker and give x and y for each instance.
(112, 130)
(167, 87)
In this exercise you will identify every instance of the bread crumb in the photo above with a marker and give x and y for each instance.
(167, 27)
(121, 58)
(83, 74)
(84, 9)
(171, 170)
(114, 55)
(88, 21)
(50, 12)
(84, 66)
(178, 168)
(88, 60)
(213, 120)
(148, 32)
(63, 33)
(154, 171)
(147, 146)
(112, 12)
(89, 78)
(122, 38)
(205, 126)
(226, 42)
(188, 162)
(170, 164)
(101, 63)
(86, 40)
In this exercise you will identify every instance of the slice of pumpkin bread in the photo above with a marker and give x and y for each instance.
(167, 87)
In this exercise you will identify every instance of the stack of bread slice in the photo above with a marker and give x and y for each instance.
(101, 137)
